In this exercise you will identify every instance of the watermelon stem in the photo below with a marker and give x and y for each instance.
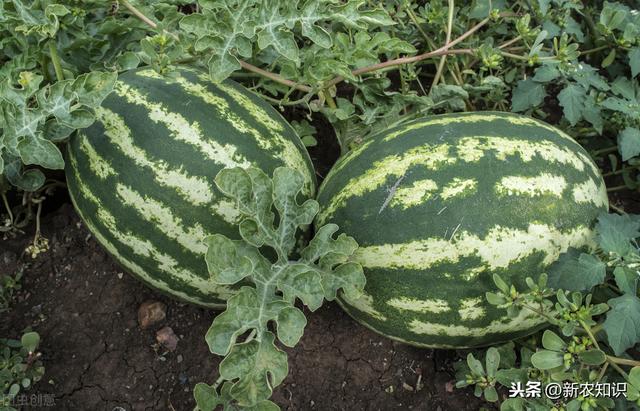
(618, 188)
(55, 59)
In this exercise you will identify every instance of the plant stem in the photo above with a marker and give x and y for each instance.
(623, 361)
(605, 150)
(397, 62)
(414, 19)
(138, 14)
(330, 101)
(55, 59)
(602, 371)
(443, 59)
(622, 170)
(510, 42)
(617, 209)
(6, 205)
(594, 50)
(275, 77)
(539, 312)
(590, 334)
(617, 188)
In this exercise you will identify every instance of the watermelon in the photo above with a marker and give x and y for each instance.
(441, 204)
(142, 177)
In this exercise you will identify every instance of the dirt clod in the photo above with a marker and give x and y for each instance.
(167, 338)
(150, 313)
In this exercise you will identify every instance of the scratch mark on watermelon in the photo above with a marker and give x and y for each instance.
(392, 192)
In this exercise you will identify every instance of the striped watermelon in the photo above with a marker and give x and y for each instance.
(440, 204)
(142, 176)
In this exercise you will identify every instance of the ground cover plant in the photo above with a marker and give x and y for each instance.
(360, 67)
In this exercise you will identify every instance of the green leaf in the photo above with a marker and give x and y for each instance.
(242, 313)
(606, 62)
(258, 365)
(623, 323)
(30, 341)
(474, 365)
(575, 271)
(626, 280)
(265, 405)
(127, 61)
(206, 397)
(526, 95)
(593, 357)
(27, 180)
(512, 404)
(629, 143)
(226, 260)
(551, 341)
(291, 323)
(615, 233)
(92, 88)
(547, 360)
(490, 394)
(492, 361)
(546, 74)
(634, 61)
(508, 376)
(329, 257)
(303, 282)
(36, 150)
(633, 393)
(572, 99)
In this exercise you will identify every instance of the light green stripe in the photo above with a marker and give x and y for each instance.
(525, 320)
(196, 190)
(419, 306)
(472, 309)
(590, 192)
(100, 167)
(532, 186)
(459, 187)
(415, 194)
(500, 248)
(476, 118)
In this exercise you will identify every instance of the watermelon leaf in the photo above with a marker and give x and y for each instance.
(575, 271)
(623, 323)
(615, 233)
(270, 217)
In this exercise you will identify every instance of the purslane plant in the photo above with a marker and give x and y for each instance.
(20, 367)
(275, 272)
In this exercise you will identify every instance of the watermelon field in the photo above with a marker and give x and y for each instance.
(319, 205)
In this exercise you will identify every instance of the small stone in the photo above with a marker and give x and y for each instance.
(449, 386)
(179, 358)
(120, 275)
(167, 338)
(150, 313)
(407, 386)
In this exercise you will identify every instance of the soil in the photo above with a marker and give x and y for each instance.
(97, 357)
